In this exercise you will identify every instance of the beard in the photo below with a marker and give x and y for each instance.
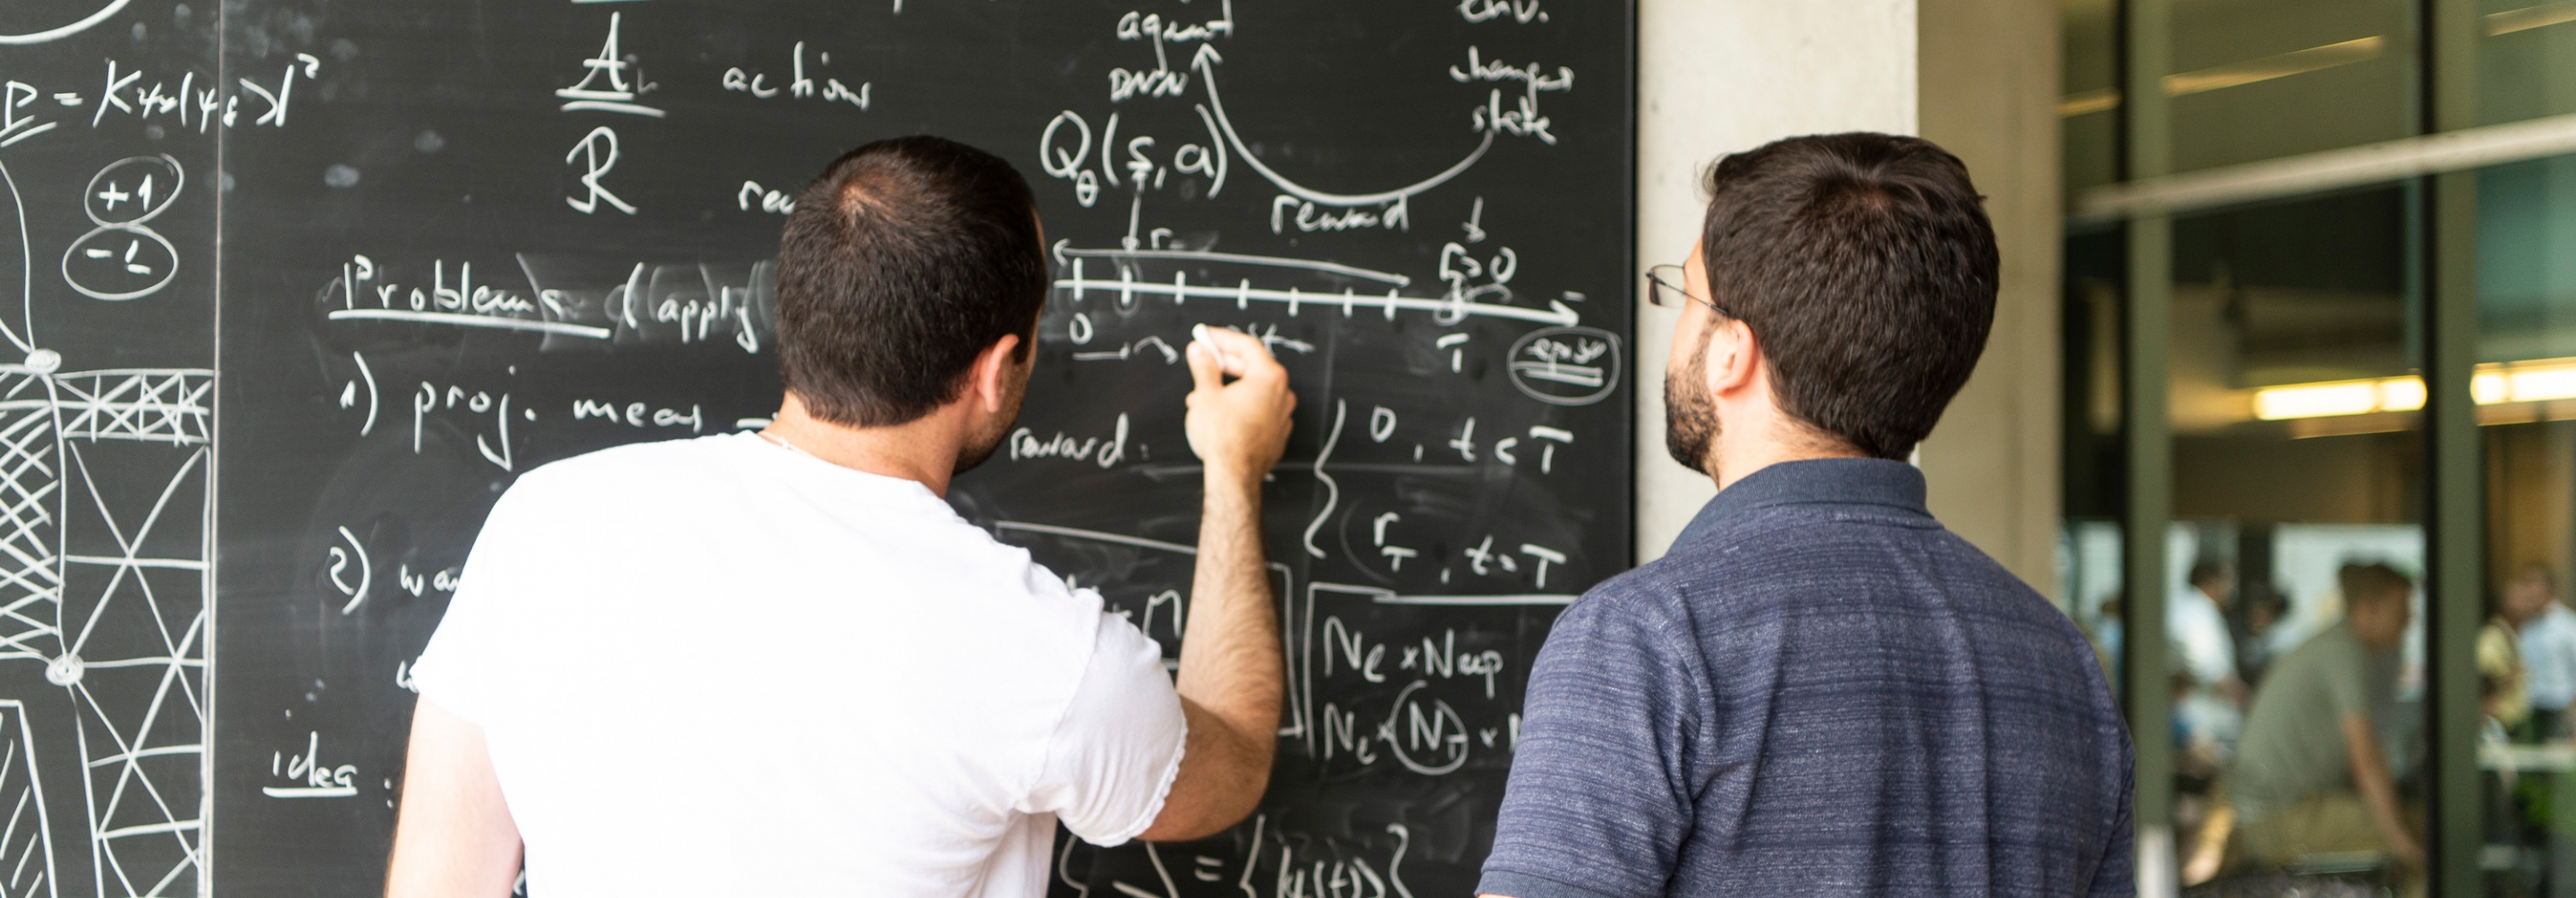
(988, 437)
(1690, 420)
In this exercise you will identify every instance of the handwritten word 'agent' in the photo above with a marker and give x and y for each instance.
(1162, 81)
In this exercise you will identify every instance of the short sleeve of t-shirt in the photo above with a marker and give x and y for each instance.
(1111, 760)
(2347, 677)
(462, 669)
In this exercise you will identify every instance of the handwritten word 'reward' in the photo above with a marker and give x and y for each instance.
(1025, 445)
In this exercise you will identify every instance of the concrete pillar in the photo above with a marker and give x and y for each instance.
(1722, 76)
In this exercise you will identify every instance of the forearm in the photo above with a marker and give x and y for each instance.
(454, 835)
(1230, 664)
(2379, 793)
(2378, 790)
(1230, 677)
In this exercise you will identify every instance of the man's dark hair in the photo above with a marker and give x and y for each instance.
(2206, 571)
(1866, 268)
(2372, 583)
(901, 263)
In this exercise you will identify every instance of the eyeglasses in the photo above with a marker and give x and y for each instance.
(1664, 288)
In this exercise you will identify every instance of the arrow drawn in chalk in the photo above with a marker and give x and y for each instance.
(1206, 61)
(38, 37)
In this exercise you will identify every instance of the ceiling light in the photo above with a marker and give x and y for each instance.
(2539, 380)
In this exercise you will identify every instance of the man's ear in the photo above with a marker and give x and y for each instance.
(991, 367)
(1734, 357)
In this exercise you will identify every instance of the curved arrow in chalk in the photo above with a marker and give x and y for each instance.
(26, 272)
(38, 37)
(1206, 61)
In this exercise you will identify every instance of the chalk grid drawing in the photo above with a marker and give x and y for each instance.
(105, 584)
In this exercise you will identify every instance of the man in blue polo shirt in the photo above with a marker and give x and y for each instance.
(1819, 691)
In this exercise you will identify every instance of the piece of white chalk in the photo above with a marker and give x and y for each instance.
(1199, 334)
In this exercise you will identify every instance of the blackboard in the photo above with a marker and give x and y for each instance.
(295, 288)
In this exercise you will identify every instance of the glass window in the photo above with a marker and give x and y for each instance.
(2090, 439)
(2252, 81)
(2294, 618)
(2088, 107)
(2526, 391)
(2526, 59)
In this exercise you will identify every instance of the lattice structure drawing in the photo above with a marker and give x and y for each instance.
(26, 842)
(133, 616)
(105, 549)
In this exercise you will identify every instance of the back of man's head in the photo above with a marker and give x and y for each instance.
(1866, 268)
(2206, 574)
(2365, 584)
(2537, 575)
(901, 263)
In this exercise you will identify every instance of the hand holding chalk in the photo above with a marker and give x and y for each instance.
(1199, 340)
(1238, 429)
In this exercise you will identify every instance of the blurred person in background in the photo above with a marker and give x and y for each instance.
(2211, 710)
(2106, 638)
(2310, 775)
(2548, 644)
(2501, 675)
(2265, 607)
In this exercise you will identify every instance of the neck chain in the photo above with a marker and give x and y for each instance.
(782, 443)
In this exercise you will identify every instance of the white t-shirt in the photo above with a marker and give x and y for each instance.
(720, 666)
(2199, 630)
(2549, 651)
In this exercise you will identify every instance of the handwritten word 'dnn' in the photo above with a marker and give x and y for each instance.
(635, 415)
(1025, 445)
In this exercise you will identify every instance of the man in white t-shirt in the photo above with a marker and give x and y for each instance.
(2205, 651)
(2548, 648)
(780, 664)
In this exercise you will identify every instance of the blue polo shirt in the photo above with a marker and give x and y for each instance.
(1818, 691)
